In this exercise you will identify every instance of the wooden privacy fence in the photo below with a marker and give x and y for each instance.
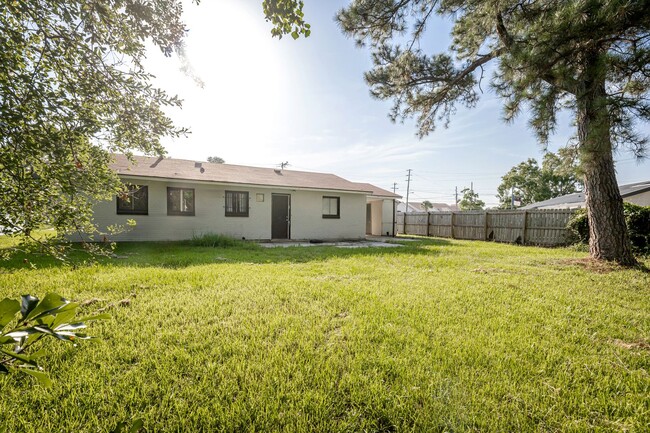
(533, 227)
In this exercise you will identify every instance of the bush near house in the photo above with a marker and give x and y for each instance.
(637, 219)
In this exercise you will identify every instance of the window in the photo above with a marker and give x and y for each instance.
(331, 207)
(134, 201)
(236, 204)
(180, 201)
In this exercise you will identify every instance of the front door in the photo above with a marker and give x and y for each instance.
(280, 216)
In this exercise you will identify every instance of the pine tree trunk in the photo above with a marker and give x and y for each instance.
(608, 238)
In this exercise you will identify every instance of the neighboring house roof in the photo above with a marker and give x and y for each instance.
(436, 207)
(378, 192)
(413, 207)
(182, 169)
(634, 188)
(576, 200)
(568, 201)
(443, 207)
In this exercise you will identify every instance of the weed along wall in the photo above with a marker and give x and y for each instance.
(532, 227)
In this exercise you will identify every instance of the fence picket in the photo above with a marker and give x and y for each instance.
(533, 227)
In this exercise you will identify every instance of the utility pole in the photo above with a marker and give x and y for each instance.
(408, 189)
(456, 195)
(395, 187)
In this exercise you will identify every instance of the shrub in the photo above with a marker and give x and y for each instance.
(637, 219)
(215, 240)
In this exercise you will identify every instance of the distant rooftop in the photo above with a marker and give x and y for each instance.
(578, 199)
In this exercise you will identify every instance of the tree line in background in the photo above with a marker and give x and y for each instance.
(529, 182)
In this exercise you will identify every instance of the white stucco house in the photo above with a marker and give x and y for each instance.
(636, 193)
(175, 199)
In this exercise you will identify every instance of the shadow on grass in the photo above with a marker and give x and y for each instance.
(177, 255)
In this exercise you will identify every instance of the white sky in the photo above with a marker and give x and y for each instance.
(267, 100)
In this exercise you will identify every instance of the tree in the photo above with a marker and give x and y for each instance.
(73, 90)
(426, 204)
(587, 56)
(531, 183)
(470, 200)
(216, 160)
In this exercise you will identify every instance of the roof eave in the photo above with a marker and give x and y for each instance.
(240, 184)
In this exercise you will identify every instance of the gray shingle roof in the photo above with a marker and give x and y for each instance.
(378, 192)
(578, 198)
(182, 169)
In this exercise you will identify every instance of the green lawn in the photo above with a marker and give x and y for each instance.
(435, 336)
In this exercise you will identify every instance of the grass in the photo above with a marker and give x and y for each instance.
(434, 336)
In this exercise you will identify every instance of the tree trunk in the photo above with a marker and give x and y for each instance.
(608, 238)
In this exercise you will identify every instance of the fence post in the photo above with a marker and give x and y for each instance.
(485, 226)
(453, 219)
(428, 222)
(523, 235)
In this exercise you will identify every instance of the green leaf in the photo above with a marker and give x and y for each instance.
(48, 305)
(27, 304)
(24, 358)
(137, 425)
(6, 340)
(41, 376)
(8, 310)
(3, 369)
(119, 428)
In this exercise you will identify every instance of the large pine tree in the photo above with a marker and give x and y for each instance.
(587, 56)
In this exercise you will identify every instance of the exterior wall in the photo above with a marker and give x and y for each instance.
(642, 199)
(387, 218)
(381, 216)
(209, 202)
(307, 220)
(376, 217)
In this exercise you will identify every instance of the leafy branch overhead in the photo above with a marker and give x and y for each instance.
(73, 90)
(287, 17)
(31, 320)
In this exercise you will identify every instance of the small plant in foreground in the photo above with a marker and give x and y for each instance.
(53, 316)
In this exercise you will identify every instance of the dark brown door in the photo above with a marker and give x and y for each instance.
(280, 216)
(368, 219)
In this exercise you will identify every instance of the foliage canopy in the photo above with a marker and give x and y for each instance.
(73, 90)
(470, 200)
(529, 182)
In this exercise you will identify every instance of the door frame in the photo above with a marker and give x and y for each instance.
(288, 214)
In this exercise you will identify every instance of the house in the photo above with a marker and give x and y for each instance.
(176, 199)
(637, 193)
(412, 207)
(435, 207)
